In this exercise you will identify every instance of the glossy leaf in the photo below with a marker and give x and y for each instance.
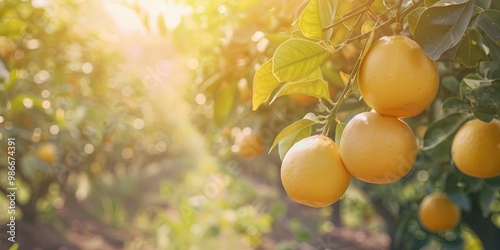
(264, 83)
(489, 22)
(442, 26)
(470, 50)
(413, 18)
(454, 105)
(339, 129)
(437, 138)
(307, 121)
(313, 85)
(288, 141)
(313, 19)
(295, 59)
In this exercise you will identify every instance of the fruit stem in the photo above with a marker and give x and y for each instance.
(346, 92)
(397, 28)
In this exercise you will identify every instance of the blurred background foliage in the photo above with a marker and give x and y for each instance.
(148, 105)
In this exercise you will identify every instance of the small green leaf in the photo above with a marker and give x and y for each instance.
(486, 197)
(442, 25)
(451, 83)
(470, 50)
(339, 129)
(438, 137)
(296, 58)
(307, 121)
(264, 83)
(313, 85)
(312, 20)
(454, 105)
(288, 141)
(489, 22)
(462, 200)
(485, 101)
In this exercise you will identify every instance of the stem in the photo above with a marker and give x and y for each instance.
(398, 27)
(352, 13)
(404, 12)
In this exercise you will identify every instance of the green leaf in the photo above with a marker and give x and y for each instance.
(413, 18)
(264, 83)
(295, 59)
(486, 197)
(462, 200)
(470, 50)
(313, 19)
(438, 137)
(485, 102)
(451, 83)
(493, 182)
(442, 25)
(430, 2)
(288, 141)
(454, 105)
(489, 22)
(224, 103)
(339, 129)
(307, 121)
(468, 82)
(313, 85)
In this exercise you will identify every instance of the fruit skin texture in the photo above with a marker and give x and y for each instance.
(47, 152)
(397, 78)
(378, 149)
(250, 146)
(313, 173)
(476, 148)
(438, 213)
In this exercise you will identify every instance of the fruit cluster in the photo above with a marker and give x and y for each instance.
(397, 80)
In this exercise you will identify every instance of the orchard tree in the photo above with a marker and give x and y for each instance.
(404, 96)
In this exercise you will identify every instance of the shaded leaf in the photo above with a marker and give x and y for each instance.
(442, 25)
(451, 83)
(264, 83)
(413, 18)
(485, 102)
(486, 197)
(437, 138)
(470, 50)
(454, 105)
(295, 59)
(489, 22)
(462, 200)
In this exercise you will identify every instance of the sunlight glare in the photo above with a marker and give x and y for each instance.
(129, 22)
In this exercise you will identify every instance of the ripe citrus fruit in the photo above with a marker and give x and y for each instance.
(476, 148)
(250, 145)
(438, 213)
(397, 78)
(47, 152)
(378, 149)
(312, 172)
